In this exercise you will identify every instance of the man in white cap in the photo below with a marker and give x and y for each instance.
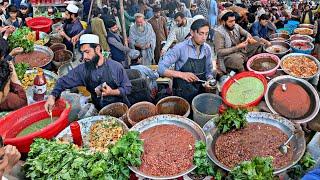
(71, 27)
(105, 79)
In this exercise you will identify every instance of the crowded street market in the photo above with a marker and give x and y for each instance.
(159, 89)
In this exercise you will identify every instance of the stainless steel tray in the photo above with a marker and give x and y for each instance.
(299, 143)
(180, 121)
(312, 92)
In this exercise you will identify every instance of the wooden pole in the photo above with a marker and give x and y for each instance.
(124, 32)
(90, 11)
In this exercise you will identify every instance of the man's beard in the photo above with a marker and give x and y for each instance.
(68, 21)
(229, 28)
(140, 28)
(91, 65)
(181, 24)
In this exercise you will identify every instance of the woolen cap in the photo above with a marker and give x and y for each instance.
(72, 8)
(89, 39)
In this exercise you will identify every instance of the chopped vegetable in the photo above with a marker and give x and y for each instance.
(306, 162)
(21, 69)
(56, 160)
(22, 37)
(260, 168)
(204, 167)
(231, 119)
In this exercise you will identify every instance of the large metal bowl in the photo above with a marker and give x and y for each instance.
(301, 37)
(280, 43)
(85, 125)
(312, 92)
(298, 141)
(45, 50)
(180, 121)
(300, 54)
(279, 37)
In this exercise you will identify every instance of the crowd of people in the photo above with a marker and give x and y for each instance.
(183, 37)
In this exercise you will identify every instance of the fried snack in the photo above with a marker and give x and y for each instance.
(300, 66)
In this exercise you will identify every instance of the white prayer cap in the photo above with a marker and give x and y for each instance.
(196, 17)
(72, 8)
(89, 39)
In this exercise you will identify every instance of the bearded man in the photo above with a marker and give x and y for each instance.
(233, 44)
(105, 79)
(72, 26)
(143, 38)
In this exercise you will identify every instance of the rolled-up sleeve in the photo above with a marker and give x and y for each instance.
(209, 66)
(170, 58)
(73, 79)
(171, 38)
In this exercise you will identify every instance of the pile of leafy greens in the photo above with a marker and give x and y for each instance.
(297, 171)
(20, 38)
(204, 167)
(259, 168)
(21, 69)
(56, 160)
(231, 119)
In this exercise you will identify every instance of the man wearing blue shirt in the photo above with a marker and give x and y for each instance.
(192, 60)
(105, 79)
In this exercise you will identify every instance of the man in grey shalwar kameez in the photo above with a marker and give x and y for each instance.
(143, 38)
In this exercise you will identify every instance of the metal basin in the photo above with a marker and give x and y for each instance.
(298, 141)
(85, 125)
(314, 97)
(278, 43)
(301, 37)
(180, 121)
(279, 37)
(300, 54)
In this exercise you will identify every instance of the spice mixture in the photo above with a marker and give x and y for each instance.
(168, 150)
(256, 139)
(300, 66)
(34, 59)
(293, 103)
(263, 64)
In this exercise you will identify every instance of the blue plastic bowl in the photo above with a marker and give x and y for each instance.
(297, 50)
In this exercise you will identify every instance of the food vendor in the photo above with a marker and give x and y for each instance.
(105, 79)
(12, 94)
(71, 27)
(192, 60)
(232, 52)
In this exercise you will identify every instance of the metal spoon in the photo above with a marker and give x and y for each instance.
(283, 86)
(211, 82)
(283, 148)
(51, 116)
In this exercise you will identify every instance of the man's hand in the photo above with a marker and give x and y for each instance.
(48, 106)
(242, 45)
(13, 156)
(162, 52)
(3, 162)
(187, 76)
(148, 45)
(106, 90)
(16, 51)
(3, 29)
(75, 39)
(28, 18)
(9, 31)
(62, 33)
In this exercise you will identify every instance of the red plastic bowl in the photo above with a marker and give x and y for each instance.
(12, 124)
(40, 24)
(271, 72)
(227, 85)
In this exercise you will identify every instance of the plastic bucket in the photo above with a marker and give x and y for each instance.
(205, 107)
(173, 105)
(141, 111)
(118, 110)
(12, 124)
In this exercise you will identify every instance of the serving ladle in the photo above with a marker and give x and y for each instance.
(283, 86)
(211, 82)
(283, 148)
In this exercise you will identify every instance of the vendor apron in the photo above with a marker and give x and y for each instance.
(188, 90)
(102, 101)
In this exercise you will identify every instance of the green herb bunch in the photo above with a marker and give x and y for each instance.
(19, 38)
(204, 167)
(231, 119)
(21, 69)
(53, 160)
(306, 162)
(260, 168)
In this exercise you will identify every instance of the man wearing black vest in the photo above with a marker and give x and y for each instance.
(116, 43)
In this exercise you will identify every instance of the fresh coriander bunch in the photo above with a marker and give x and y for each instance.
(231, 119)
